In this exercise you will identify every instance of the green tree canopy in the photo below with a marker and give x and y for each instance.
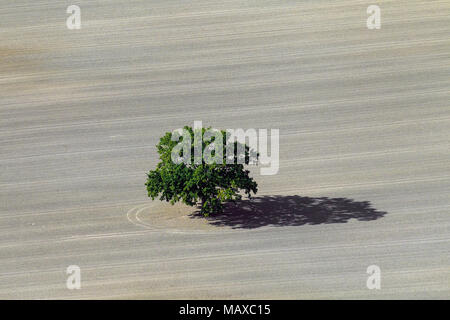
(197, 181)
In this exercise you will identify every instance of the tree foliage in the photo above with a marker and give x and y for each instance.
(201, 182)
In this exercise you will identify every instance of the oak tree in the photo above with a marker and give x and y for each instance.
(201, 168)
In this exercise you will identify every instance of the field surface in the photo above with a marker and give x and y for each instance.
(364, 120)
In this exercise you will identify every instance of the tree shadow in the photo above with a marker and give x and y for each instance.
(291, 211)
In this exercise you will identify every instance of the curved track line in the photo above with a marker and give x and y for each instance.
(133, 217)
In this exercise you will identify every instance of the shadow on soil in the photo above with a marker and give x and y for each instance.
(291, 211)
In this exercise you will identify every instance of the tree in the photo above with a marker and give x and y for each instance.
(195, 180)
